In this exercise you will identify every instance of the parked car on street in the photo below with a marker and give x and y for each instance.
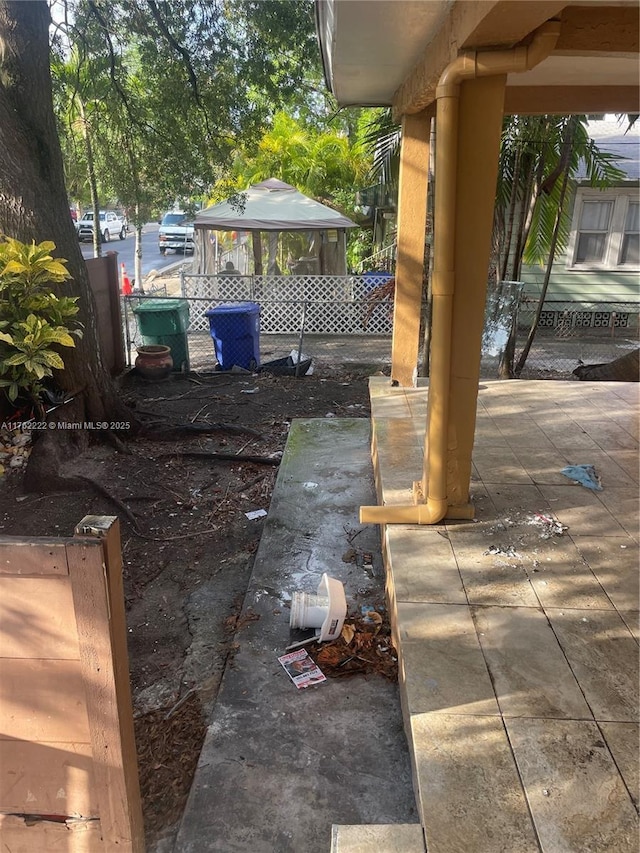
(176, 232)
(111, 225)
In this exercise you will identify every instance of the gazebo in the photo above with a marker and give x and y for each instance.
(317, 234)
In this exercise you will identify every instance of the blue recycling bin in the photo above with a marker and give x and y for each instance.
(235, 330)
(375, 278)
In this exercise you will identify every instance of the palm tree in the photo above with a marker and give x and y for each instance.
(540, 160)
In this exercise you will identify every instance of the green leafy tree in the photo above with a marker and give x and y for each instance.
(172, 87)
(184, 82)
(321, 163)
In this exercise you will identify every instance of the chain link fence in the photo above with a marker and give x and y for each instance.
(569, 334)
(281, 318)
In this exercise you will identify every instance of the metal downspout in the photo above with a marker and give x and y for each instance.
(465, 67)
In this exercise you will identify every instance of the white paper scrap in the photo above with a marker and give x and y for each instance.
(256, 513)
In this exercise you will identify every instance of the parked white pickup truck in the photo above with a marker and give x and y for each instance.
(111, 225)
(176, 232)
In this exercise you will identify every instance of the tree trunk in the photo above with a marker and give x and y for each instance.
(526, 218)
(33, 197)
(93, 181)
(505, 369)
(137, 264)
(623, 369)
(570, 136)
(511, 217)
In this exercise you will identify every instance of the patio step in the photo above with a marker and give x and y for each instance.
(498, 657)
(377, 838)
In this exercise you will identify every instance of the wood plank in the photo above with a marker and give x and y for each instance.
(87, 568)
(48, 837)
(37, 618)
(32, 556)
(42, 700)
(47, 778)
(118, 623)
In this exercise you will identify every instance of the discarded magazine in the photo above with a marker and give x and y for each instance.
(302, 670)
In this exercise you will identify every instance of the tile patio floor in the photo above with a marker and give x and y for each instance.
(518, 645)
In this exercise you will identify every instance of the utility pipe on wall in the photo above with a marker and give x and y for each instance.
(465, 67)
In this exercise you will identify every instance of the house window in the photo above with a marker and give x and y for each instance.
(605, 233)
(630, 253)
(595, 219)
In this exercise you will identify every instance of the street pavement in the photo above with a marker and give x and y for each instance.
(151, 257)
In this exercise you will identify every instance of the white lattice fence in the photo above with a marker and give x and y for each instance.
(336, 305)
(205, 291)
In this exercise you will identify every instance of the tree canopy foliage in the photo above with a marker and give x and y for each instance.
(164, 92)
(320, 162)
(536, 153)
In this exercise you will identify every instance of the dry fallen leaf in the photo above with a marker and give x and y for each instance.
(347, 633)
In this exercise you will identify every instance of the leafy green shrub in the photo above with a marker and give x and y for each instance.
(34, 321)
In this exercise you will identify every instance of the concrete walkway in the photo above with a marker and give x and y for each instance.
(517, 635)
(279, 765)
(518, 632)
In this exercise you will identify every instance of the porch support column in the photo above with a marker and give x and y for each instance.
(479, 130)
(412, 220)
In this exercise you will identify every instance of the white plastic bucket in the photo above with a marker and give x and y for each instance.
(308, 610)
(324, 611)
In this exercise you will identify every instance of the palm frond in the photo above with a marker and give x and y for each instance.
(381, 140)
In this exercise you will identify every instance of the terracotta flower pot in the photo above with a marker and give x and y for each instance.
(154, 361)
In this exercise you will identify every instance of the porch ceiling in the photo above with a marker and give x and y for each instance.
(392, 52)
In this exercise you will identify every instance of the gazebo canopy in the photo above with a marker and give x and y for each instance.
(271, 206)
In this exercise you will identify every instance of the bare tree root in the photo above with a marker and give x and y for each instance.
(223, 457)
(108, 495)
(169, 432)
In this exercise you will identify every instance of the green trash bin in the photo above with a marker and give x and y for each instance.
(164, 322)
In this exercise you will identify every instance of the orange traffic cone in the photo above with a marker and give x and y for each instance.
(127, 290)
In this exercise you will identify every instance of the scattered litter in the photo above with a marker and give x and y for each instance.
(256, 513)
(305, 362)
(325, 611)
(507, 551)
(306, 641)
(585, 475)
(370, 616)
(550, 526)
(301, 669)
(331, 415)
(309, 485)
(288, 365)
(363, 647)
(249, 391)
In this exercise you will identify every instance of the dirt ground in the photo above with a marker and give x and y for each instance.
(187, 543)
